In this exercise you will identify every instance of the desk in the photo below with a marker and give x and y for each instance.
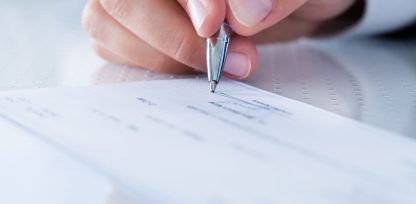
(369, 80)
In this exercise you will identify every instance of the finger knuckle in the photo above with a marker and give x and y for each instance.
(183, 49)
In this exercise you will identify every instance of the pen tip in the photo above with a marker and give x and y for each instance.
(213, 85)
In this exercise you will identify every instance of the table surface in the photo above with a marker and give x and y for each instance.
(369, 80)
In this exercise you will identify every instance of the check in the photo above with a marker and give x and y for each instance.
(175, 142)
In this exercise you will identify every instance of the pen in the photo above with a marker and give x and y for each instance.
(217, 49)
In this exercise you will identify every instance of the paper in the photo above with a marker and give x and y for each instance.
(175, 142)
(34, 172)
(366, 80)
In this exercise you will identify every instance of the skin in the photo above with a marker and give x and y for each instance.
(160, 34)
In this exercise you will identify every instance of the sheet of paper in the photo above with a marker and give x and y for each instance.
(175, 142)
(34, 172)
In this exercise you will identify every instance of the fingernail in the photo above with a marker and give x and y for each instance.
(237, 64)
(250, 12)
(198, 12)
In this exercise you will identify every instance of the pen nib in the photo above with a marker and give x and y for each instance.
(213, 85)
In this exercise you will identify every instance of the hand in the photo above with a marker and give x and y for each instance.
(168, 35)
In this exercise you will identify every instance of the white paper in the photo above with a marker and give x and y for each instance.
(34, 172)
(175, 142)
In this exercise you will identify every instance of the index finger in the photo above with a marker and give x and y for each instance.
(163, 25)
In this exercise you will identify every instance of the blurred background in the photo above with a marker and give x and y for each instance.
(42, 44)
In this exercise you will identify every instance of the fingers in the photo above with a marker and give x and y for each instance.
(160, 34)
(242, 58)
(248, 17)
(206, 15)
(109, 55)
(115, 43)
(103, 52)
(171, 35)
(170, 31)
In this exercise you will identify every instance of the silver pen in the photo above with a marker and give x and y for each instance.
(217, 49)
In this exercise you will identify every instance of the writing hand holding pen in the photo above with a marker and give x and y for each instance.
(169, 35)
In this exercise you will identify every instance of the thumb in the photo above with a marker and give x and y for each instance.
(206, 15)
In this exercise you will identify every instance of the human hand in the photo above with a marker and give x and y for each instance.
(168, 35)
